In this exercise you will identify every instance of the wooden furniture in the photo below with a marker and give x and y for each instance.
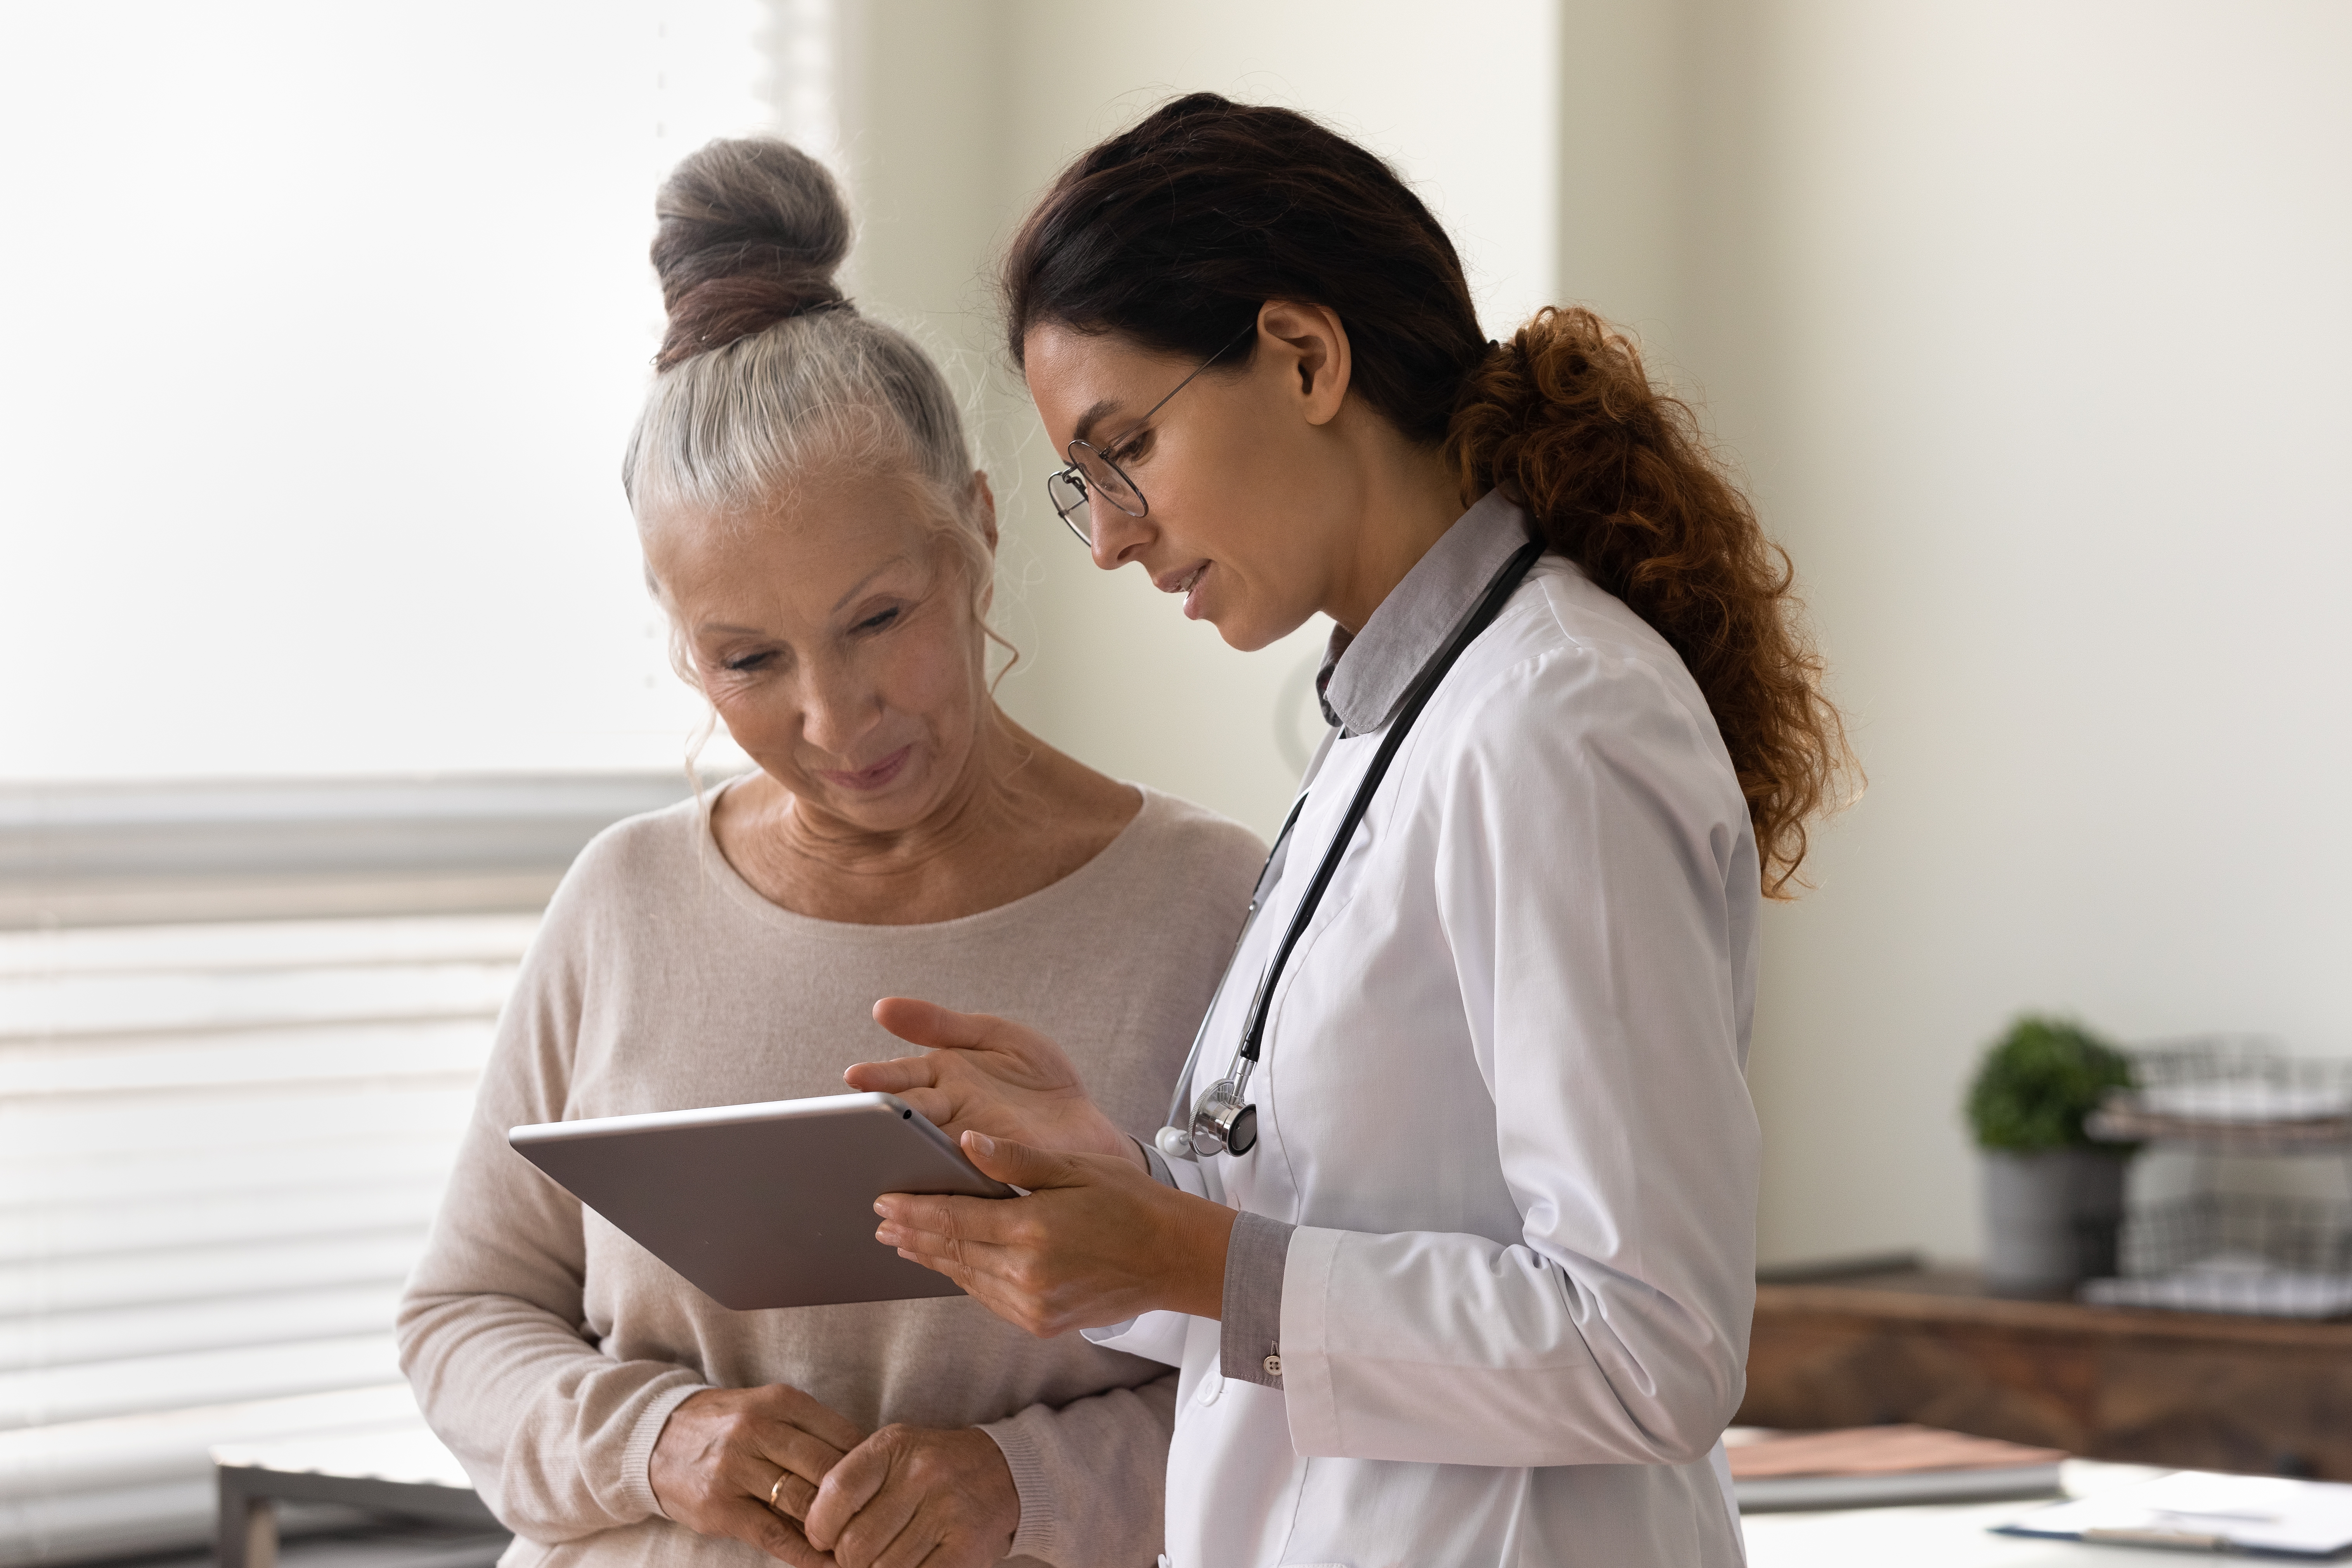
(2187, 1390)
(403, 1471)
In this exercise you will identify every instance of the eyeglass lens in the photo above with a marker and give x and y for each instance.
(1073, 495)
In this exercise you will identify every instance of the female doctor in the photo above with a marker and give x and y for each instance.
(1452, 1230)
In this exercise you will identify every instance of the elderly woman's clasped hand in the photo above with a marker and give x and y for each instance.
(1095, 1239)
(780, 1471)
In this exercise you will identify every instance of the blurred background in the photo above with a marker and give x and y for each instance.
(323, 642)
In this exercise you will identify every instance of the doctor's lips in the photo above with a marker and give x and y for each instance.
(1186, 582)
(874, 777)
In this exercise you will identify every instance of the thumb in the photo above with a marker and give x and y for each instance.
(1016, 1164)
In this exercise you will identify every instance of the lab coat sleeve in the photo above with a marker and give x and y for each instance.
(557, 1436)
(1596, 881)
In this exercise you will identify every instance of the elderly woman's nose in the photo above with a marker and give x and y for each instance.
(838, 711)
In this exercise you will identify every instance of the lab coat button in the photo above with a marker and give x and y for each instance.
(1274, 1366)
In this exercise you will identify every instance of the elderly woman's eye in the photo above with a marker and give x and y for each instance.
(744, 663)
(877, 622)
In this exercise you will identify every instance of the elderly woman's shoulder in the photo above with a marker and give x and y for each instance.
(643, 854)
(1213, 847)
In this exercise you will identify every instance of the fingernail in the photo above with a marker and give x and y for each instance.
(982, 1143)
(888, 1235)
(882, 1208)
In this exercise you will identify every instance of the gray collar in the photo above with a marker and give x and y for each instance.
(1365, 676)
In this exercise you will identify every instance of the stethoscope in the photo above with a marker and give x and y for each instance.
(1224, 1120)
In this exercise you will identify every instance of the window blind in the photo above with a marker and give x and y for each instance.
(222, 1142)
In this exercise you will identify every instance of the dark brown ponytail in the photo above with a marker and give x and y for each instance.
(1175, 232)
(1616, 474)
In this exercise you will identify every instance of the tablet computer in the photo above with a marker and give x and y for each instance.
(764, 1205)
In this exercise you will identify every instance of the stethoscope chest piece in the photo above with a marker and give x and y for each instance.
(1224, 1122)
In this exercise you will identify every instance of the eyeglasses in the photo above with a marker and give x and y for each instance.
(1091, 472)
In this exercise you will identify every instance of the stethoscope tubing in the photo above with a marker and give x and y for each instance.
(1499, 589)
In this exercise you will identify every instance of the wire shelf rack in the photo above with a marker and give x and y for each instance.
(2231, 1094)
(2235, 1252)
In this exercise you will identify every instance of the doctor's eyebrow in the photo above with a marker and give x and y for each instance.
(1086, 426)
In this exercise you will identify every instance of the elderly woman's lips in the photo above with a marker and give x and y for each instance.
(874, 777)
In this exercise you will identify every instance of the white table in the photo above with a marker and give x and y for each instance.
(1947, 1535)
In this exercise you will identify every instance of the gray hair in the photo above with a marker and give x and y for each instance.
(767, 373)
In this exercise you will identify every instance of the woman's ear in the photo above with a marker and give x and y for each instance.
(1314, 354)
(985, 500)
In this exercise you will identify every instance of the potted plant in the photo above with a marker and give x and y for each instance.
(2053, 1198)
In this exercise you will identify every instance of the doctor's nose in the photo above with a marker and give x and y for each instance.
(1114, 538)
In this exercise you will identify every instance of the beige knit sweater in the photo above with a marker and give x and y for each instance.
(547, 1348)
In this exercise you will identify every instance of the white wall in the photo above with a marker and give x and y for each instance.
(960, 116)
(2025, 322)
(2030, 322)
(324, 328)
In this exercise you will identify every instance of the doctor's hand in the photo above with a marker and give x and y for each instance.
(989, 1075)
(725, 1452)
(1095, 1242)
(912, 1495)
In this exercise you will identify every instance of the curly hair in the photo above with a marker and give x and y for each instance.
(1614, 471)
(1175, 232)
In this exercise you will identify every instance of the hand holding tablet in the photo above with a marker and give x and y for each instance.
(763, 1205)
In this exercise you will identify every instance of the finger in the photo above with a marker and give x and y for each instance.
(1017, 1164)
(786, 1446)
(928, 1024)
(848, 1489)
(890, 1518)
(755, 1524)
(920, 1545)
(821, 1421)
(896, 1076)
(790, 1495)
(979, 1219)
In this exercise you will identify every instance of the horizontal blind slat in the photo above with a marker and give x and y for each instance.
(208, 1273)
(171, 1221)
(229, 1322)
(48, 1395)
(372, 1049)
(229, 948)
(160, 1446)
(306, 1159)
(42, 1012)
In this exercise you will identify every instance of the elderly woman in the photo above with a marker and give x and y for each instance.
(812, 523)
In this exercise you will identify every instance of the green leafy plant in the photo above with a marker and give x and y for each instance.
(2037, 1083)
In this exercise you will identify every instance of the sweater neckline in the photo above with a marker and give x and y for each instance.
(1105, 862)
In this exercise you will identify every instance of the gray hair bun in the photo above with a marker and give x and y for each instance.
(751, 232)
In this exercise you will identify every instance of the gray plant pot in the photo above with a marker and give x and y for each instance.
(2052, 1219)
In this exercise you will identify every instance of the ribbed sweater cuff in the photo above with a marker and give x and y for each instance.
(638, 1455)
(1040, 1525)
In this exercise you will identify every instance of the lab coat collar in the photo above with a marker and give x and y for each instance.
(1364, 678)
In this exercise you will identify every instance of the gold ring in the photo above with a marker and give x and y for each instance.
(773, 1506)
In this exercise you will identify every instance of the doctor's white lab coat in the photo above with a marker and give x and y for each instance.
(1502, 1096)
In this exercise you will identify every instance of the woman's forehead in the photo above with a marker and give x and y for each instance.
(818, 539)
(1080, 379)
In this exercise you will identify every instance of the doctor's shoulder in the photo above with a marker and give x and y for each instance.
(1571, 676)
